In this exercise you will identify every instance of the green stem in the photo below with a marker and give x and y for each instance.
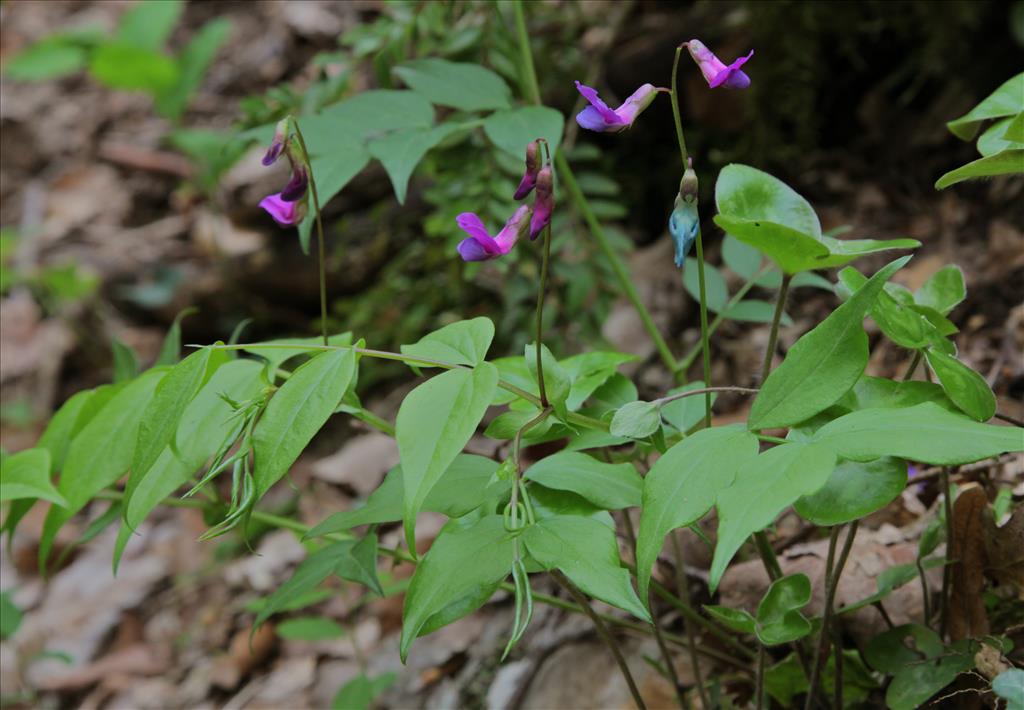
(704, 331)
(321, 258)
(773, 336)
(530, 85)
(683, 590)
(913, 366)
(541, 292)
(605, 635)
(768, 558)
(759, 685)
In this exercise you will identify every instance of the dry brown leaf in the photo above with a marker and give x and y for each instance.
(967, 617)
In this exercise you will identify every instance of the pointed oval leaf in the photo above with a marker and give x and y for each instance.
(751, 194)
(636, 420)
(606, 485)
(1004, 101)
(968, 390)
(513, 130)
(792, 250)
(943, 290)
(683, 485)
(26, 474)
(1008, 162)
(435, 422)
(855, 489)
(462, 343)
(296, 413)
(469, 87)
(823, 365)
(402, 150)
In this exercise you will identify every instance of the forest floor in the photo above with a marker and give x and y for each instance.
(87, 181)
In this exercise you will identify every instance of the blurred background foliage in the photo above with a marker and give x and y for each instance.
(865, 85)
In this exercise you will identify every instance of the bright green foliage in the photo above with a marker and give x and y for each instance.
(464, 86)
(966, 388)
(778, 617)
(100, 453)
(310, 628)
(761, 490)
(683, 485)
(855, 489)
(360, 692)
(823, 365)
(511, 130)
(1007, 100)
(606, 485)
(126, 362)
(434, 423)
(585, 550)
(296, 412)
(462, 343)
(914, 681)
(943, 290)
(687, 412)
(465, 558)
(10, 616)
(557, 383)
(276, 354)
(148, 24)
(636, 420)
(1009, 685)
(1002, 144)
(1008, 162)
(26, 474)
(401, 151)
(925, 432)
(192, 64)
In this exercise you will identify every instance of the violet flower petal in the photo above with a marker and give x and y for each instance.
(732, 77)
(590, 94)
(283, 212)
(472, 225)
(513, 229)
(471, 249)
(296, 187)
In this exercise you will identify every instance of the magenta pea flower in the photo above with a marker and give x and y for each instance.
(598, 117)
(480, 245)
(287, 213)
(287, 207)
(532, 168)
(715, 71)
(544, 204)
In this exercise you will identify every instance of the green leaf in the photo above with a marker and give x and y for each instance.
(747, 193)
(203, 428)
(994, 139)
(1015, 129)
(365, 115)
(149, 23)
(332, 172)
(170, 349)
(636, 420)
(843, 251)
(26, 474)
(296, 413)
(126, 362)
(100, 454)
(465, 556)
(360, 692)
(880, 393)
(586, 551)
(588, 372)
(401, 151)
(854, 490)
(1004, 101)
(10, 616)
(360, 564)
(464, 86)
(742, 258)
(461, 488)
(915, 680)
(310, 628)
(193, 62)
(51, 58)
(435, 422)
(63, 426)
(617, 392)
(791, 250)
(1009, 685)
(557, 383)
(968, 390)
(714, 284)
(511, 130)
(462, 343)
(606, 485)
(755, 310)
(899, 322)
(1008, 162)
(683, 485)
(736, 619)
(276, 354)
(944, 290)
(778, 617)
(686, 412)
(163, 413)
(925, 432)
(334, 559)
(761, 490)
(124, 66)
(823, 365)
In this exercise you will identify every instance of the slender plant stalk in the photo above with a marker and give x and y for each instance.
(759, 686)
(837, 677)
(530, 86)
(704, 331)
(832, 574)
(701, 621)
(925, 592)
(947, 569)
(703, 390)
(768, 558)
(321, 258)
(913, 366)
(773, 336)
(606, 636)
(541, 293)
(683, 590)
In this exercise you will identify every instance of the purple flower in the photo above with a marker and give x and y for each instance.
(715, 72)
(544, 203)
(296, 187)
(287, 213)
(598, 117)
(481, 246)
(277, 145)
(532, 168)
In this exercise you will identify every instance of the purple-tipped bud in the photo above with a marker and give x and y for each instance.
(297, 185)
(285, 213)
(277, 145)
(532, 167)
(688, 185)
(715, 71)
(544, 204)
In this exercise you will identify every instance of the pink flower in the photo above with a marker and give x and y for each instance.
(286, 213)
(544, 204)
(598, 117)
(480, 245)
(532, 167)
(715, 72)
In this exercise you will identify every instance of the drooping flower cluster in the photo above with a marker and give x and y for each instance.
(289, 206)
(480, 245)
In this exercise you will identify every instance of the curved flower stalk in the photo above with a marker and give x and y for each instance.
(598, 117)
(480, 245)
(716, 72)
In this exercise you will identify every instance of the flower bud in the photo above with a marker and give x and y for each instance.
(277, 145)
(544, 203)
(530, 176)
(297, 185)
